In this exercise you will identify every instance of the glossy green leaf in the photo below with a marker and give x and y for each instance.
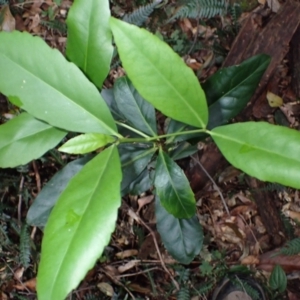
(160, 75)
(25, 138)
(41, 81)
(138, 112)
(229, 90)
(267, 152)
(80, 226)
(183, 238)
(89, 43)
(85, 143)
(278, 279)
(173, 188)
(134, 159)
(183, 150)
(39, 211)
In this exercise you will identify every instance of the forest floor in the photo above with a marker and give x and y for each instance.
(263, 216)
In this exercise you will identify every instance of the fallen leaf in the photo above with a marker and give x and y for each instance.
(274, 100)
(106, 289)
(127, 253)
(7, 21)
(131, 264)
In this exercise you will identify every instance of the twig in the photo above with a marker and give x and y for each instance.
(138, 273)
(214, 183)
(139, 220)
(38, 187)
(20, 199)
(119, 283)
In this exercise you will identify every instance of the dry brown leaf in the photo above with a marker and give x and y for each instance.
(274, 5)
(127, 253)
(137, 288)
(29, 284)
(250, 260)
(106, 289)
(293, 215)
(35, 22)
(131, 264)
(268, 260)
(3, 296)
(8, 22)
(144, 201)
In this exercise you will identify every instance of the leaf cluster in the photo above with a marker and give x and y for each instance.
(129, 152)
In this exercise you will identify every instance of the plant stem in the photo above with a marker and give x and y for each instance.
(132, 129)
(157, 138)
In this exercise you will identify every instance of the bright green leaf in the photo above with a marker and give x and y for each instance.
(85, 143)
(135, 109)
(25, 138)
(39, 211)
(173, 188)
(41, 81)
(89, 43)
(160, 75)
(278, 279)
(183, 238)
(267, 152)
(80, 226)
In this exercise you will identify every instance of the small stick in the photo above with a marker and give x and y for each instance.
(20, 199)
(214, 183)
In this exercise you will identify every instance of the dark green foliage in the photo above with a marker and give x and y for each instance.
(235, 12)
(291, 247)
(55, 25)
(289, 229)
(25, 246)
(196, 9)
(3, 2)
(245, 286)
(184, 294)
(140, 15)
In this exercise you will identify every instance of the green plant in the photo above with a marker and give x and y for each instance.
(119, 126)
(197, 9)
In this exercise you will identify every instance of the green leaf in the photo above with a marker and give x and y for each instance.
(80, 226)
(229, 90)
(262, 150)
(160, 75)
(89, 43)
(134, 108)
(39, 211)
(41, 81)
(278, 279)
(183, 238)
(134, 159)
(173, 188)
(25, 138)
(85, 143)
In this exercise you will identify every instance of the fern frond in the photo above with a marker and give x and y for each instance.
(55, 25)
(206, 287)
(291, 247)
(184, 294)
(25, 246)
(140, 15)
(196, 9)
(252, 292)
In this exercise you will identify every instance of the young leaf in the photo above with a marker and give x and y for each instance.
(25, 138)
(262, 150)
(173, 188)
(80, 225)
(89, 43)
(135, 109)
(229, 90)
(85, 143)
(183, 238)
(41, 81)
(160, 75)
(39, 211)
(278, 279)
